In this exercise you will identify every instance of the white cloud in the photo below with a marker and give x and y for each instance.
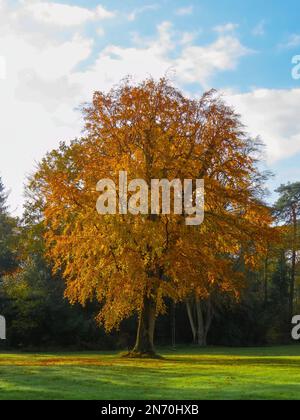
(148, 7)
(37, 96)
(293, 42)
(274, 116)
(200, 64)
(51, 69)
(227, 27)
(102, 13)
(100, 32)
(185, 11)
(188, 37)
(115, 62)
(2, 68)
(63, 14)
(191, 64)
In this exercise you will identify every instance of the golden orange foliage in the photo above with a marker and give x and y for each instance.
(152, 131)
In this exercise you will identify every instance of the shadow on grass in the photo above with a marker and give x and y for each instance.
(82, 384)
(281, 351)
(245, 362)
(192, 374)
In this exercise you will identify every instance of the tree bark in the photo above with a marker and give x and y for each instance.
(201, 328)
(189, 309)
(173, 324)
(294, 256)
(266, 291)
(200, 315)
(209, 317)
(145, 335)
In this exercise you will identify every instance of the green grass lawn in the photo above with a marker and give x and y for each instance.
(188, 373)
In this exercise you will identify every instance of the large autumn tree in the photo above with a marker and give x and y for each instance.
(131, 263)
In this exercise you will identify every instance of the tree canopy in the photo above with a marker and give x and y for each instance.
(8, 236)
(132, 263)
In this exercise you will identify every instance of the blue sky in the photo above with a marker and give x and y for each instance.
(265, 27)
(54, 54)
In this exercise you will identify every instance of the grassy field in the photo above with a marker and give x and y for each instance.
(214, 373)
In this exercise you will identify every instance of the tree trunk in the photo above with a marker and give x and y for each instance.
(189, 309)
(144, 345)
(209, 318)
(266, 292)
(292, 285)
(173, 324)
(200, 315)
(201, 341)
(294, 256)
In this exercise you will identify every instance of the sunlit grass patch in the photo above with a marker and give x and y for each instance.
(188, 373)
